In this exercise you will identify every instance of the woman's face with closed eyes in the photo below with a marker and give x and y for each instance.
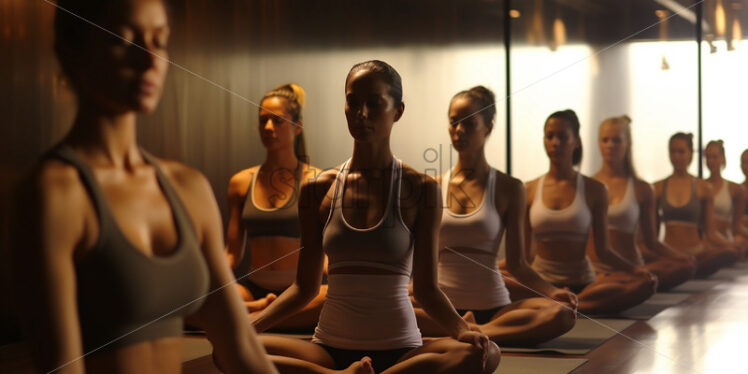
(123, 67)
(370, 109)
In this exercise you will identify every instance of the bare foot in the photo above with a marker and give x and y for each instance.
(469, 317)
(362, 366)
(260, 304)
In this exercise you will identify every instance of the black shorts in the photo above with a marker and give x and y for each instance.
(380, 360)
(481, 316)
(258, 292)
(573, 288)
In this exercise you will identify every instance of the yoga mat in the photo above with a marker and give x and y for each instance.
(538, 365)
(582, 338)
(650, 308)
(197, 347)
(695, 286)
(15, 358)
(304, 336)
(194, 347)
(730, 273)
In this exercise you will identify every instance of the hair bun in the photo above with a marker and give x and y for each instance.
(299, 93)
(483, 92)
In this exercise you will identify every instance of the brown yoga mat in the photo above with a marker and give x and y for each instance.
(695, 286)
(651, 307)
(731, 273)
(197, 347)
(194, 347)
(538, 365)
(582, 338)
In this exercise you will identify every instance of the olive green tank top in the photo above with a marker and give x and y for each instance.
(125, 296)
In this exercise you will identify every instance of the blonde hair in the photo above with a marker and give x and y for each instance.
(624, 122)
(296, 98)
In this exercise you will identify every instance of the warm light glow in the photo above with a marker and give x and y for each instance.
(547, 82)
(536, 33)
(719, 19)
(431, 75)
(737, 32)
(723, 102)
(559, 33)
(659, 102)
(661, 13)
(514, 13)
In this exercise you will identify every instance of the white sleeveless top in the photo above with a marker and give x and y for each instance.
(570, 223)
(723, 203)
(470, 278)
(624, 215)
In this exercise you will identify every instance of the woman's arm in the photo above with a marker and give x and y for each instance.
(311, 258)
(49, 223)
(658, 187)
(515, 246)
(222, 315)
(425, 288)
(236, 232)
(529, 251)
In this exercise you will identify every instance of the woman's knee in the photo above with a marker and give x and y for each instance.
(472, 360)
(460, 357)
(646, 285)
(562, 316)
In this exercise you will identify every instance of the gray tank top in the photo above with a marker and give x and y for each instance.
(387, 245)
(690, 212)
(124, 295)
(283, 221)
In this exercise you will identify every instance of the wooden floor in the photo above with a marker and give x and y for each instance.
(708, 333)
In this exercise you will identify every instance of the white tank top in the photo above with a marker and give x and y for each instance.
(723, 203)
(570, 223)
(624, 215)
(470, 278)
(387, 245)
(368, 311)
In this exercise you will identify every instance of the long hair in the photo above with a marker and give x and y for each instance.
(624, 122)
(296, 98)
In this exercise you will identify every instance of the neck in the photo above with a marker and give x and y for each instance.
(281, 159)
(612, 170)
(681, 173)
(107, 138)
(371, 156)
(562, 171)
(715, 176)
(475, 161)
